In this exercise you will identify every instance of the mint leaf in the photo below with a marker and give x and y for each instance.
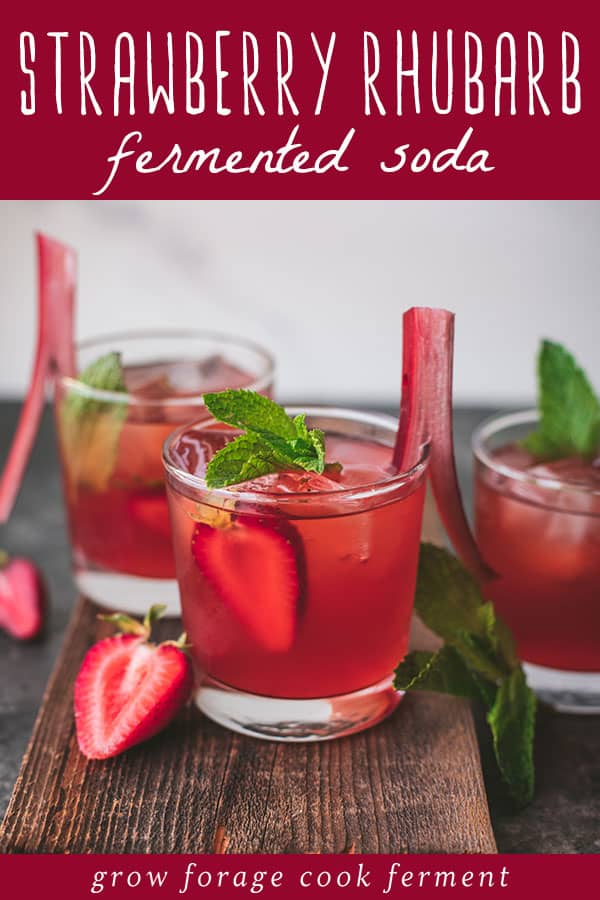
(318, 441)
(499, 637)
(449, 602)
(512, 721)
(250, 411)
(300, 426)
(447, 597)
(89, 428)
(478, 661)
(274, 441)
(443, 672)
(105, 374)
(245, 458)
(568, 406)
(480, 656)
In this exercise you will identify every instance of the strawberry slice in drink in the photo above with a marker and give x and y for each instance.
(151, 511)
(253, 565)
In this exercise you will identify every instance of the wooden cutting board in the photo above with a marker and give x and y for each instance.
(412, 784)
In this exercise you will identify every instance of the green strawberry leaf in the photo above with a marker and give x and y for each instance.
(568, 406)
(125, 623)
(155, 613)
(129, 625)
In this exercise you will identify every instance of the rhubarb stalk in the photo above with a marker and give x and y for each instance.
(426, 418)
(55, 353)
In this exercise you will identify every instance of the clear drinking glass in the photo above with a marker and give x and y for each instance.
(297, 589)
(538, 527)
(110, 447)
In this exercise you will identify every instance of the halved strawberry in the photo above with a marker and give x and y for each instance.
(22, 597)
(127, 689)
(255, 566)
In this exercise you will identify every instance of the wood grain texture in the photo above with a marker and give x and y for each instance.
(412, 784)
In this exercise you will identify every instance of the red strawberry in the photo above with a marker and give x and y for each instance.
(22, 598)
(253, 566)
(127, 689)
(152, 511)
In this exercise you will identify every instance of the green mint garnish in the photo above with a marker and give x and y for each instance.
(511, 718)
(478, 661)
(90, 427)
(568, 406)
(104, 374)
(273, 442)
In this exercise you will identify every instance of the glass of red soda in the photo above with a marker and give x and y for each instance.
(296, 588)
(538, 528)
(110, 445)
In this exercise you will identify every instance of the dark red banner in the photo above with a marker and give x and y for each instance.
(120, 877)
(312, 100)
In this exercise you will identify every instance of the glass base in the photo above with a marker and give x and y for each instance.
(128, 593)
(282, 719)
(569, 692)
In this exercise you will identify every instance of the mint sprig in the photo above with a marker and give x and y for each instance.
(511, 718)
(568, 406)
(104, 374)
(90, 427)
(478, 661)
(272, 442)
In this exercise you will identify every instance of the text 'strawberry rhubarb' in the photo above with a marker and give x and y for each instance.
(112, 420)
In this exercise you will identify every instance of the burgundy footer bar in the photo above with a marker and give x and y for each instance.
(290, 876)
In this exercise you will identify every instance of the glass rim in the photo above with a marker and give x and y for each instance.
(500, 421)
(358, 492)
(259, 382)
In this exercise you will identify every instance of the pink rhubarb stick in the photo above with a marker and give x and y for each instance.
(426, 417)
(55, 353)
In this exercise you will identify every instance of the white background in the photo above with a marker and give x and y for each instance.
(323, 283)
